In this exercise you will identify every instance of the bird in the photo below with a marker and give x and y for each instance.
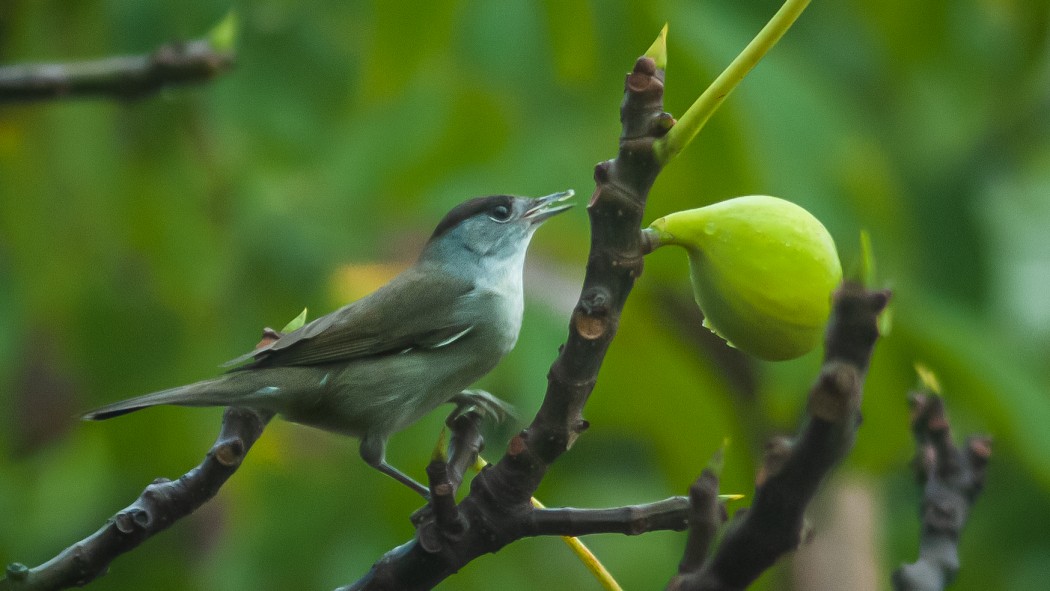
(380, 363)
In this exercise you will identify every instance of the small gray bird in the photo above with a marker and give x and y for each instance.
(377, 365)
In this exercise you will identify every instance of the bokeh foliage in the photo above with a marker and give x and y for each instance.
(142, 243)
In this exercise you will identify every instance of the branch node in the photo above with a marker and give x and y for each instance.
(516, 446)
(778, 450)
(229, 453)
(152, 492)
(131, 519)
(645, 65)
(978, 451)
(141, 517)
(601, 173)
(836, 394)
(16, 571)
(665, 121)
(595, 301)
(641, 78)
(447, 518)
(942, 516)
(590, 327)
(591, 316)
(269, 335)
(429, 538)
(633, 262)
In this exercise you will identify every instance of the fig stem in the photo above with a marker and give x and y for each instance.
(653, 239)
(667, 147)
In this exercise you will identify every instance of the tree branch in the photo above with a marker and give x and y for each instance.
(668, 514)
(792, 470)
(124, 77)
(160, 505)
(706, 517)
(952, 479)
(464, 446)
(440, 518)
(498, 509)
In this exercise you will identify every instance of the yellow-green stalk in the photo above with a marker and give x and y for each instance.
(690, 123)
(589, 560)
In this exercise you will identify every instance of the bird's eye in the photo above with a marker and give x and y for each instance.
(500, 213)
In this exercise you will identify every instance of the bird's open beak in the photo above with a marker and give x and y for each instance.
(544, 208)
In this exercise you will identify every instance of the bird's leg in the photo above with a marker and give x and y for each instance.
(481, 401)
(403, 478)
(373, 452)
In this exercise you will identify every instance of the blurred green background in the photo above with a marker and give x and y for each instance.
(141, 244)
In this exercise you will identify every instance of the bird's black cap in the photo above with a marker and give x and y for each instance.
(469, 209)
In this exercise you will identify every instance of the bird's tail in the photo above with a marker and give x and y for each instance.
(213, 392)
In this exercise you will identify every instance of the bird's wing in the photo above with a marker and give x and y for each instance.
(407, 313)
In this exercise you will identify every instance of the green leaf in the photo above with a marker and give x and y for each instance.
(867, 260)
(296, 323)
(223, 36)
(927, 378)
(440, 452)
(658, 50)
(718, 459)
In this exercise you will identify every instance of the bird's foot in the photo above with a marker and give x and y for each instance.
(481, 402)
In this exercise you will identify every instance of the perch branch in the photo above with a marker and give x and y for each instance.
(792, 470)
(951, 479)
(441, 517)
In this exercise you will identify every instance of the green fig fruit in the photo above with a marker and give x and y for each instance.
(763, 272)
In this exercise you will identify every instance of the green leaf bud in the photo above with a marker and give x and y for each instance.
(295, 323)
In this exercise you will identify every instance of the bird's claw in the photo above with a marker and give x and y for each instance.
(482, 403)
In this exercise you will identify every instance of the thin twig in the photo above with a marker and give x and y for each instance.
(666, 515)
(706, 517)
(793, 470)
(951, 479)
(124, 77)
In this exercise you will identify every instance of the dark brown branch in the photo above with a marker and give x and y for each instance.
(793, 470)
(441, 518)
(951, 478)
(498, 509)
(668, 514)
(706, 516)
(124, 77)
(160, 505)
(411, 566)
